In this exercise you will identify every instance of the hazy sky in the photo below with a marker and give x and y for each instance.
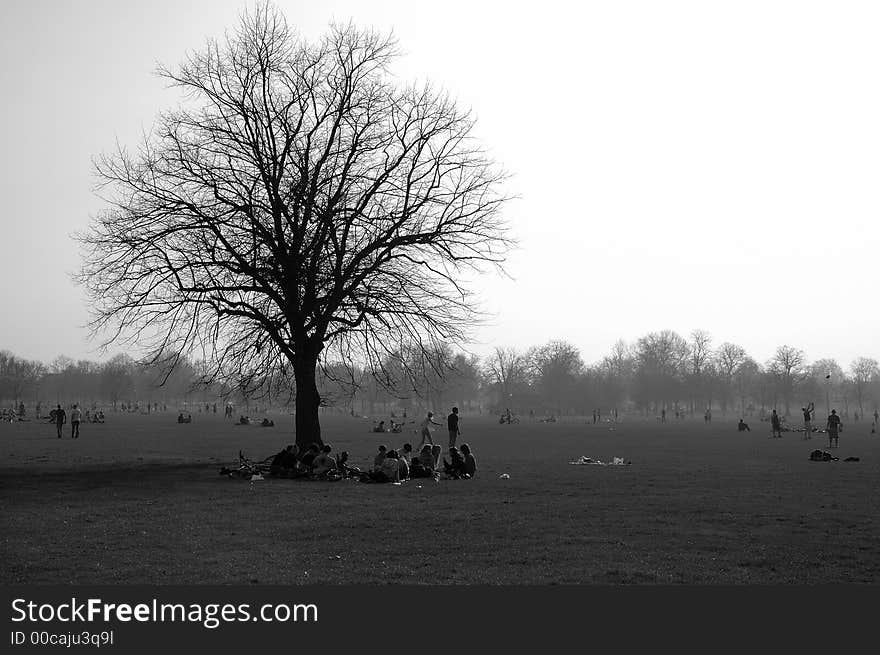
(681, 165)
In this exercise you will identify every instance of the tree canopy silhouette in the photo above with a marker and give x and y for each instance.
(300, 204)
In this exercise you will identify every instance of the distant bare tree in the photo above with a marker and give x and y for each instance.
(661, 358)
(786, 365)
(556, 368)
(863, 370)
(508, 369)
(728, 357)
(299, 206)
(699, 352)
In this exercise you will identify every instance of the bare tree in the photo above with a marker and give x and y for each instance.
(786, 366)
(660, 360)
(508, 369)
(863, 369)
(300, 206)
(557, 367)
(728, 357)
(699, 353)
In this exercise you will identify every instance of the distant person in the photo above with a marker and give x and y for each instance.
(775, 425)
(742, 426)
(452, 426)
(594, 417)
(834, 429)
(425, 428)
(75, 418)
(876, 417)
(808, 421)
(663, 415)
(60, 419)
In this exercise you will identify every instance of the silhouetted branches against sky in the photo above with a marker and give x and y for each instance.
(299, 200)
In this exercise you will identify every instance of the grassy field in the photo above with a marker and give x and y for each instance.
(139, 500)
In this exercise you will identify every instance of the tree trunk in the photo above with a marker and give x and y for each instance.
(308, 428)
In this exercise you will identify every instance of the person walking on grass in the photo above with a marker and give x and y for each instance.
(60, 419)
(425, 429)
(452, 426)
(834, 429)
(75, 418)
(775, 425)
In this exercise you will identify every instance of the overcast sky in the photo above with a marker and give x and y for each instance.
(680, 165)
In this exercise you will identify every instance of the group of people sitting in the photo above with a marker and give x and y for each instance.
(397, 466)
(265, 423)
(184, 419)
(94, 417)
(396, 428)
(11, 415)
(317, 463)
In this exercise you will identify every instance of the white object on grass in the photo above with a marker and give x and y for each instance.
(504, 476)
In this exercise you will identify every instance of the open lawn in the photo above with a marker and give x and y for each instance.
(139, 500)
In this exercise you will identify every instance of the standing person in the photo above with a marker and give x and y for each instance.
(426, 424)
(75, 418)
(594, 417)
(60, 419)
(452, 425)
(834, 428)
(663, 415)
(775, 425)
(808, 421)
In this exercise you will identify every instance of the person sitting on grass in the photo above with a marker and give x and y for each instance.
(454, 468)
(379, 427)
(308, 458)
(244, 420)
(470, 463)
(285, 462)
(417, 470)
(402, 467)
(342, 464)
(426, 458)
(266, 423)
(324, 463)
(406, 453)
(391, 466)
(380, 457)
(436, 451)
(742, 426)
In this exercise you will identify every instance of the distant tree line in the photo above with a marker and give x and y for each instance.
(660, 370)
